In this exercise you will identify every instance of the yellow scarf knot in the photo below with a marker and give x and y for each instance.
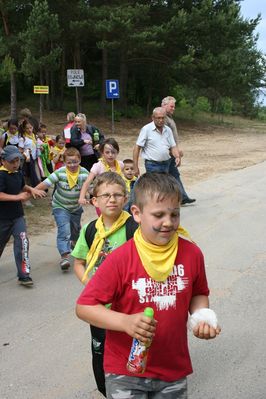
(72, 177)
(108, 168)
(99, 239)
(158, 261)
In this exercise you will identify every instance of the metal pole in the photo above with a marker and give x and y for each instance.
(40, 108)
(113, 119)
(77, 100)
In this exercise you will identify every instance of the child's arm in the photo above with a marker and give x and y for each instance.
(136, 152)
(79, 269)
(84, 189)
(202, 330)
(136, 325)
(35, 192)
(23, 196)
(42, 186)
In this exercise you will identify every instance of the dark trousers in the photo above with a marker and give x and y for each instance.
(17, 229)
(97, 350)
(173, 170)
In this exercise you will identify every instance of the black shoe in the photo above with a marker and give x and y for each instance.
(64, 264)
(188, 201)
(26, 281)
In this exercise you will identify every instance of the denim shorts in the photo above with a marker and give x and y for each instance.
(125, 387)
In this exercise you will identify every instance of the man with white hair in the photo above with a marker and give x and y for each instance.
(168, 103)
(156, 143)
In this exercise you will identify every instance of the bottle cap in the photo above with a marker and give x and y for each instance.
(149, 312)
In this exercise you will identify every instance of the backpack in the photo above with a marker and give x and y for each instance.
(131, 227)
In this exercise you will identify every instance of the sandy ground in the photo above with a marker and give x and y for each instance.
(209, 150)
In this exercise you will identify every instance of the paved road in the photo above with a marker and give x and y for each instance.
(44, 348)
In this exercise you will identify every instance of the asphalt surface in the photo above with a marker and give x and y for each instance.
(45, 349)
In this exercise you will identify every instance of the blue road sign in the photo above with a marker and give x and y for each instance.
(112, 89)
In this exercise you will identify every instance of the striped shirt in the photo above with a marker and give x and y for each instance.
(65, 197)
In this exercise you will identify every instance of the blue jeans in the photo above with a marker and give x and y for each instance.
(154, 166)
(173, 170)
(68, 228)
(17, 229)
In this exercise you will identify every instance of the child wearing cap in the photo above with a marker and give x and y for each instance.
(12, 223)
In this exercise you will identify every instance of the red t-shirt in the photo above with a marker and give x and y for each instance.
(122, 281)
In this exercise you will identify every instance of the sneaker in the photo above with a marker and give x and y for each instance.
(64, 264)
(26, 281)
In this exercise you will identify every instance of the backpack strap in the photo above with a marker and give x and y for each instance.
(131, 227)
(90, 233)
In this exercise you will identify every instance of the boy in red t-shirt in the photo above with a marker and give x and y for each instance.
(159, 269)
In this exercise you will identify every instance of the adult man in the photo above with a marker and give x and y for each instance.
(168, 103)
(156, 141)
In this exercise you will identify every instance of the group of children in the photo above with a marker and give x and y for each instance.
(126, 262)
(41, 154)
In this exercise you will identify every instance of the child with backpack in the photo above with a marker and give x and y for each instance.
(96, 241)
(159, 269)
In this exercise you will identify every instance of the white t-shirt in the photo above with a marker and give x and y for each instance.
(155, 145)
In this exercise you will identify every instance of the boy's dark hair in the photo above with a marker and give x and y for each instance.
(71, 152)
(109, 178)
(128, 161)
(111, 142)
(13, 122)
(42, 126)
(151, 185)
(58, 137)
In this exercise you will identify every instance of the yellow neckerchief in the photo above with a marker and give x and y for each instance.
(127, 181)
(31, 137)
(9, 135)
(108, 168)
(99, 238)
(158, 260)
(57, 151)
(72, 177)
(6, 170)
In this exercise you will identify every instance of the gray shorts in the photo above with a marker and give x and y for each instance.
(125, 387)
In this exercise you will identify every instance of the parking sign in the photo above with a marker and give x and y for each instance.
(112, 89)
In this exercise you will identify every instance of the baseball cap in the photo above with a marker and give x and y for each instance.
(10, 152)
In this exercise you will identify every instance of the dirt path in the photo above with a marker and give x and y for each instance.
(208, 151)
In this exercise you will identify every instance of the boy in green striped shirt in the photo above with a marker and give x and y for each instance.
(68, 181)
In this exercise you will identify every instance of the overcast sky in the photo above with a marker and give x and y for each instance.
(250, 9)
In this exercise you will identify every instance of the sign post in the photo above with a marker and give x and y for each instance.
(75, 78)
(112, 92)
(41, 90)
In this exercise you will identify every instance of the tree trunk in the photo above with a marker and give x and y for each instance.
(77, 65)
(123, 81)
(47, 96)
(104, 78)
(62, 78)
(13, 96)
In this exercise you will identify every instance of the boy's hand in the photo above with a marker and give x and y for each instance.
(141, 327)
(205, 331)
(83, 201)
(37, 193)
(24, 196)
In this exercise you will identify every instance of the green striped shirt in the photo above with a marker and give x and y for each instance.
(64, 196)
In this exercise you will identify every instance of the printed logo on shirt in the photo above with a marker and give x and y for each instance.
(106, 249)
(162, 294)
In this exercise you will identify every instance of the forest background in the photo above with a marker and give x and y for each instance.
(203, 52)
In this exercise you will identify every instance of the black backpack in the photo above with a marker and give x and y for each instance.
(131, 227)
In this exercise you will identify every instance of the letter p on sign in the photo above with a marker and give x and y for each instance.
(112, 89)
